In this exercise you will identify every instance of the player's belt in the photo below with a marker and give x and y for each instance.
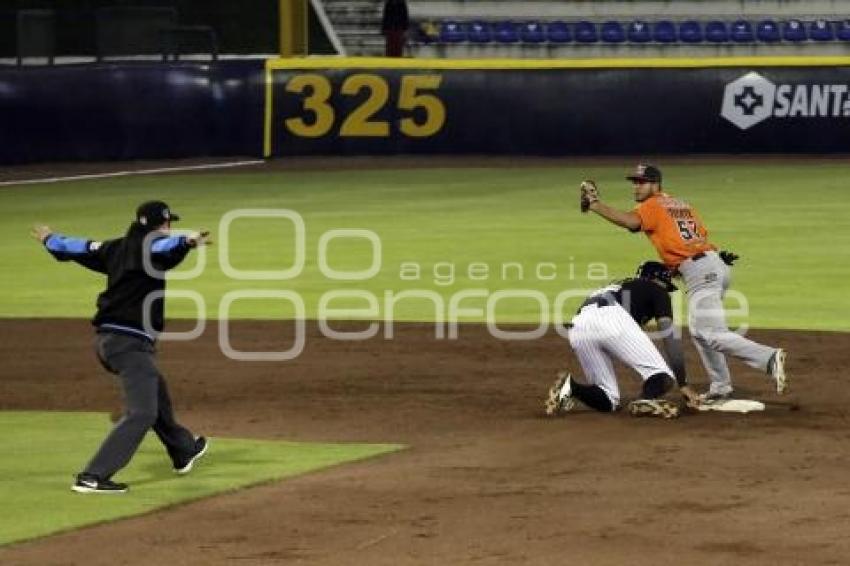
(695, 257)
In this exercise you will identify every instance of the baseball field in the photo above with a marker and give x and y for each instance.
(424, 440)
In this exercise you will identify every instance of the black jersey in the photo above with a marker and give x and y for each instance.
(129, 284)
(642, 298)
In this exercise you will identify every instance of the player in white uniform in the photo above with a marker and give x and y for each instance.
(608, 325)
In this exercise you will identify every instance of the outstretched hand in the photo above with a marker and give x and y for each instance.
(728, 257)
(40, 232)
(201, 238)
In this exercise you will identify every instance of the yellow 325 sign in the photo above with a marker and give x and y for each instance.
(319, 116)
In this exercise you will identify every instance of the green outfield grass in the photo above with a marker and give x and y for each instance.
(786, 220)
(37, 469)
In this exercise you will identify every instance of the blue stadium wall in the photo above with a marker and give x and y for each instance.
(331, 106)
(130, 111)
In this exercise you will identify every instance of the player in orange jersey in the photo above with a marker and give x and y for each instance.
(681, 239)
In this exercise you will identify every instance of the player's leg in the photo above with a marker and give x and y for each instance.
(588, 338)
(634, 348)
(131, 359)
(706, 281)
(178, 441)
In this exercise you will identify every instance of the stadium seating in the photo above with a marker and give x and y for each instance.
(690, 32)
(821, 30)
(558, 32)
(505, 32)
(664, 32)
(532, 32)
(716, 32)
(768, 31)
(452, 32)
(843, 31)
(639, 32)
(742, 32)
(614, 32)
(793, 30)
(585, 32)
(479, 32)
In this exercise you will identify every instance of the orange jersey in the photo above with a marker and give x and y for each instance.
(673, 227)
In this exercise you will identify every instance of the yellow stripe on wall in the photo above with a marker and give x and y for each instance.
(531, 64)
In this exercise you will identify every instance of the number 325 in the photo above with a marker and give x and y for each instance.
(317, 91)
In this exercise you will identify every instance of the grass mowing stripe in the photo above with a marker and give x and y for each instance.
(450, 223)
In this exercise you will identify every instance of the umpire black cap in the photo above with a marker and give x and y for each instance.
(154, 213)
(657, 271)
(646, 173)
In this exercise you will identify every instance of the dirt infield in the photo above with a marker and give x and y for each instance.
(486, 479)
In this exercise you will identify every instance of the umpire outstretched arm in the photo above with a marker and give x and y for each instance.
(65, 248)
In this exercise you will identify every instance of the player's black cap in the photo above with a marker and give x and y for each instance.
(646, 172)
(659, 271)
(154, 213)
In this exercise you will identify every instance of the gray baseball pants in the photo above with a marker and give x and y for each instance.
(706, 280)
(146, 403)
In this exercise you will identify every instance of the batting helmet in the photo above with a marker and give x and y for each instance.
(657, 271)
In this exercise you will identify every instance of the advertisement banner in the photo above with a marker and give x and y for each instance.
(431, 107)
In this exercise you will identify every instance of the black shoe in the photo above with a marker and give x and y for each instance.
(89, 483)
(185, 466)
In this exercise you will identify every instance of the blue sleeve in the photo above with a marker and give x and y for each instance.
(168, 245)
(169, 251)
(84, 252)
(65, 246)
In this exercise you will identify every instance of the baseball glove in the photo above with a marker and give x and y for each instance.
(729, 258)
(589, 194)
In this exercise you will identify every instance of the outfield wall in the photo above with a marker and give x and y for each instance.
(130, 111)
(335, 106)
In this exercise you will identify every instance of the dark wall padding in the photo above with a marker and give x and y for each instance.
(130, 111)
(591, 111)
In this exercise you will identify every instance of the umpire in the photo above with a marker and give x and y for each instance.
(126, 336)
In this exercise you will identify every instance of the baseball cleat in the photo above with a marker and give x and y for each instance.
(560, 398)
(653, 408)
(89, 483)
(777, 370)
(710, 397)
(185, 466)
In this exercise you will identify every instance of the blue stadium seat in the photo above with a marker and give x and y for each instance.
(767, 31)
(613, 32)
(843, 30)
(639, 32)
(690, 32)
(505, 32)
(558, 32)
(532, 32)
(479, 32)
(794, 30)
(452, 32)
(664, 31)
(741, 31)
(821, 30)
(585, 32)
(716, 32)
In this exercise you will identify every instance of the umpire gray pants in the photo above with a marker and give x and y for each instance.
(146, 404)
